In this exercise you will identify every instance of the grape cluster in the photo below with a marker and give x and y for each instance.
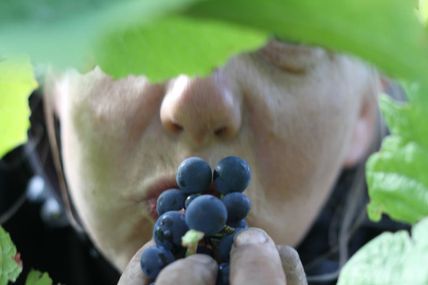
(192, 220)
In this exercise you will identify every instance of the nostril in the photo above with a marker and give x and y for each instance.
(220, 132)
(177, 127)
(200, 109)
(173, 127)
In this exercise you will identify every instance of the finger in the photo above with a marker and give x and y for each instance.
(133, 275)
(292, 266)
(255, 259)
(197, 269)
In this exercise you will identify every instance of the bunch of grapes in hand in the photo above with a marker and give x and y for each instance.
(202, 216)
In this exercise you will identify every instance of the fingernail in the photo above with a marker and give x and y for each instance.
(202, 258)
(251, 236)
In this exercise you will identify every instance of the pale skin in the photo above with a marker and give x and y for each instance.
(297, 114)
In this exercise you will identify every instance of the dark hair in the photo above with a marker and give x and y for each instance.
(45, 153)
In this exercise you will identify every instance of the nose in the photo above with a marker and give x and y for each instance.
(200, 109)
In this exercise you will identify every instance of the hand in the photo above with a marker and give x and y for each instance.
(254, 260)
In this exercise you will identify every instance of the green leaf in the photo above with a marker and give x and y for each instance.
(62, 32)
(396, 176)
(174, 45)
(404, 119)
(390, 259)
(384, 32)
(10, 265)
(16, 83)
(38, 278)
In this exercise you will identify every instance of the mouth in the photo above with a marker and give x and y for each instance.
(155, 190)
(161, 185)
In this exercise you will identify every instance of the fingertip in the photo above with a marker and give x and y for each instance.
(255, 259)
(195, 269)
(292, 265)
(202, 259)
(251, 236)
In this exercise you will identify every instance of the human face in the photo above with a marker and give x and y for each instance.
(289, 110)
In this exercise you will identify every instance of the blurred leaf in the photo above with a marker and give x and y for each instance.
(10, 268)
(16, 83)
(173, 45)
(38, 278)
(386, 33)
(61, 32)
(390, 259)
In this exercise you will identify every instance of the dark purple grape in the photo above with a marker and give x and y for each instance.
(189, 199)
(206, 214)
(170, 200)
(232, 174)
(242, 224)
(238, 206)
(154, 259)
(169, 229)
(223, 274)
(204, 250)
(224, 247)
(194, 175)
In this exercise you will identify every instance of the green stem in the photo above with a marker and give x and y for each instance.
(228, 230)
(191, 240)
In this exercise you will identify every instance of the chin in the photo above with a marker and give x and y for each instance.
(120, 245)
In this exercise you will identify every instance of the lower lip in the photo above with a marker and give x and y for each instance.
(152, 208)
(154, 193)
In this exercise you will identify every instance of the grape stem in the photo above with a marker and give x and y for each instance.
(191, 240)
(225, 231)
(228, 229)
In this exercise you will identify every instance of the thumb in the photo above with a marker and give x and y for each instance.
(292, 265)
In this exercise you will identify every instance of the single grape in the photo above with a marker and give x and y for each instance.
(232, 174)
(224, 247)
(194, 175)
(189, 199)
(238, 206)
(242, 224)
(206, 214)
(223, 274)
(154, 259)
(169, 229)
(170, 200)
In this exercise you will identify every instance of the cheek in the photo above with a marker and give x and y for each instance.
(294, 138)
(299, 142)
(100, 162)
(117, 226)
